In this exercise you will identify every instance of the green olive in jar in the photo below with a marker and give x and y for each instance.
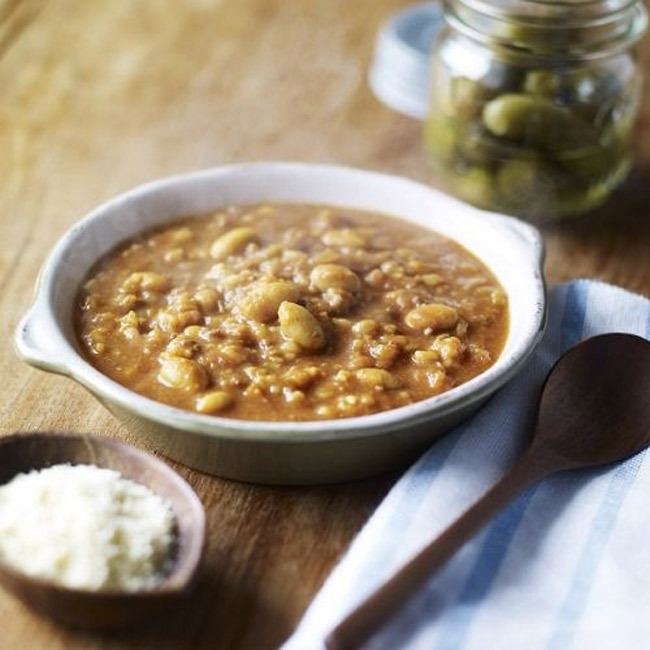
(475, 185)
(535, 122)
(474, 146)
(573, 201)
(590, 164)
(544, 83)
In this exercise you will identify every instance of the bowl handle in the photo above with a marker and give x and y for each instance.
(528, 235)
(35, 343)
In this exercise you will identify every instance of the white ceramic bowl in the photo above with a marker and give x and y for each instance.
(286, 452)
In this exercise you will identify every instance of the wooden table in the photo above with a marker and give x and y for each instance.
(99, 96)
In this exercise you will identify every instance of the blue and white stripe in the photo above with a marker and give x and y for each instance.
(565, 567)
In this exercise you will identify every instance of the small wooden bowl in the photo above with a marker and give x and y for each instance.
(105, 609)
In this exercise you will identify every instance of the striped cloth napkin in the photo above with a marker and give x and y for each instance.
(565, 567)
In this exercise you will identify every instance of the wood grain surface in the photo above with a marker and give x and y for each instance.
(99, 96)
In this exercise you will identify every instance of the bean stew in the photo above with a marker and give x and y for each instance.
(291, 312)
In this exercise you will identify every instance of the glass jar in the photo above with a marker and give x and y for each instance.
(533, 103)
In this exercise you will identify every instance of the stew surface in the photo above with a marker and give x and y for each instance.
(291, 312)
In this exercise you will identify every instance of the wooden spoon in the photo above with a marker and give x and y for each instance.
(105, 609)
(594, 410)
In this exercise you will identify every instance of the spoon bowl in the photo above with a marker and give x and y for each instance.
(105, 609)
(594, 408)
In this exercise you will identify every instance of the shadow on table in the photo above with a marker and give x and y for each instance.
(268, 551)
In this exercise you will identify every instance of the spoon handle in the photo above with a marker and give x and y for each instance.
(367, 617)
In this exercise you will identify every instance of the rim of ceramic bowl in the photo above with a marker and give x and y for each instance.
(40, 339)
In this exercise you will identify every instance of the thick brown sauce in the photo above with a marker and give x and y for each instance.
(291, 312)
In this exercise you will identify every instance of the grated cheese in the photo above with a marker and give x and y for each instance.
(86, 527)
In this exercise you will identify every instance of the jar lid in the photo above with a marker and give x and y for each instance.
(399, 73)
(583, 29)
